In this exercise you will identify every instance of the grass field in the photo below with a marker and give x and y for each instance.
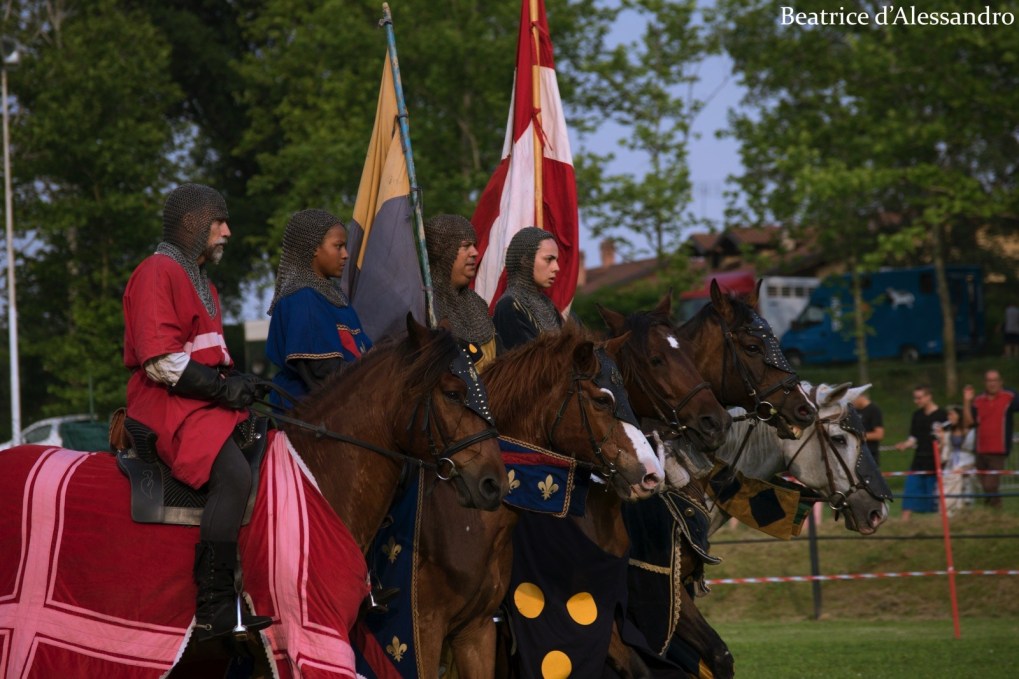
(987, 649)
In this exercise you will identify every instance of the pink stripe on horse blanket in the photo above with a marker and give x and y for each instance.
(85, 591)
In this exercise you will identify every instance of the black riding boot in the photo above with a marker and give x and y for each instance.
(217, 602)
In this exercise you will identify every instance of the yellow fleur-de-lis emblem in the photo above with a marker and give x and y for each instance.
(396, 649)
(548, 487)
(391, 549)
(514, 482)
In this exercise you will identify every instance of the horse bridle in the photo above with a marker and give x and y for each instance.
(660, 403)
(848, 420)
(763, 410)
(608, 378)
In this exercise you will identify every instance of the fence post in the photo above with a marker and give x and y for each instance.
(815, 562)
(939, 475)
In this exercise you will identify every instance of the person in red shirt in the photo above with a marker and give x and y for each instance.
(181, 388)
(992, 413)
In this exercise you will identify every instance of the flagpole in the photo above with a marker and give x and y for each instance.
(539, 152)
(408, 154)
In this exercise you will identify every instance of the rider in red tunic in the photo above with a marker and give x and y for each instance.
(181, 389)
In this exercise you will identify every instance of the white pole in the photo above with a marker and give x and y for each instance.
(12, 308)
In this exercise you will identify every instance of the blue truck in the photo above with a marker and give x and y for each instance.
(905, 316)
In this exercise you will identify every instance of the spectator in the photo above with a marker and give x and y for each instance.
(920, 491)
(1011, 330)
(956, 441)
(873, 424)
(992, 414)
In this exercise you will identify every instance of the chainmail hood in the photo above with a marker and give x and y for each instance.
(466, 310)
(303, 235)
(188, 214)
(520, 277)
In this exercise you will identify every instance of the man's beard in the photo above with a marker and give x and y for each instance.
(214, 254)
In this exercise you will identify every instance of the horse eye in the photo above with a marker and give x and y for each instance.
(604, 401)
(455, 396)
(657, 361)
(752, 348)
(839, 439)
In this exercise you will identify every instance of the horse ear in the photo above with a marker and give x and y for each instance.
(835, 394)
(613, 319)
(664, 307)
(417, 333)
(615, 345)
(720, 300)
(754, 297)
(584, 361)
(856, 392)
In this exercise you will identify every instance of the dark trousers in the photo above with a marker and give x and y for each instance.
(991, 482)
(229, 487)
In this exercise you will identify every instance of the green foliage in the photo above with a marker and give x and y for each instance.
(92, 150)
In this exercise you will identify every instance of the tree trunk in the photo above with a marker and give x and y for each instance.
(859, 322)
(947, 315)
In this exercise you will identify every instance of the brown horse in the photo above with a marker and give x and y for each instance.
(118, 595)
(546, 393)
(424, 404)
(737, 354)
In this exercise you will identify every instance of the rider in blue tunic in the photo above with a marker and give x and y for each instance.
(313, 329)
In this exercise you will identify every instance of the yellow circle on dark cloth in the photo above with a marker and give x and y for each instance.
(556, 665)
(582, 608)
(529, 599)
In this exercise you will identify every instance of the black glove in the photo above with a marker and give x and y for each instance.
(203, 382)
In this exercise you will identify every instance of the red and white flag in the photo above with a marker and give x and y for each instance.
(536, 169)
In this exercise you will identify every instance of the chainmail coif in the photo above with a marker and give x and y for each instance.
(520, 277)
(303, 235)
(466, 310)
(188, 214)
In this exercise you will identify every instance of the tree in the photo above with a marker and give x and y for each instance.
(894, 143)
(92, 148)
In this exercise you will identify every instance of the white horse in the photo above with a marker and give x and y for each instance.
(829, 458)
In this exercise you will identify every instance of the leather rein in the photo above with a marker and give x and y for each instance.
(444, 466)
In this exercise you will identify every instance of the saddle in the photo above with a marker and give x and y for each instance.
(156, 496)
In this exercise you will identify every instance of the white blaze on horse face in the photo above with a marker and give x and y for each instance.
(654, 473)
(673, 342)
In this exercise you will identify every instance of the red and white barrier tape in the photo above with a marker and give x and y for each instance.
(850, 576)
(985, 472)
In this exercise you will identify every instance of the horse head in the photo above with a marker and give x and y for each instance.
(736, 351)
(661, 379)
(563, 392)
(422, 397)
(833, 459)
